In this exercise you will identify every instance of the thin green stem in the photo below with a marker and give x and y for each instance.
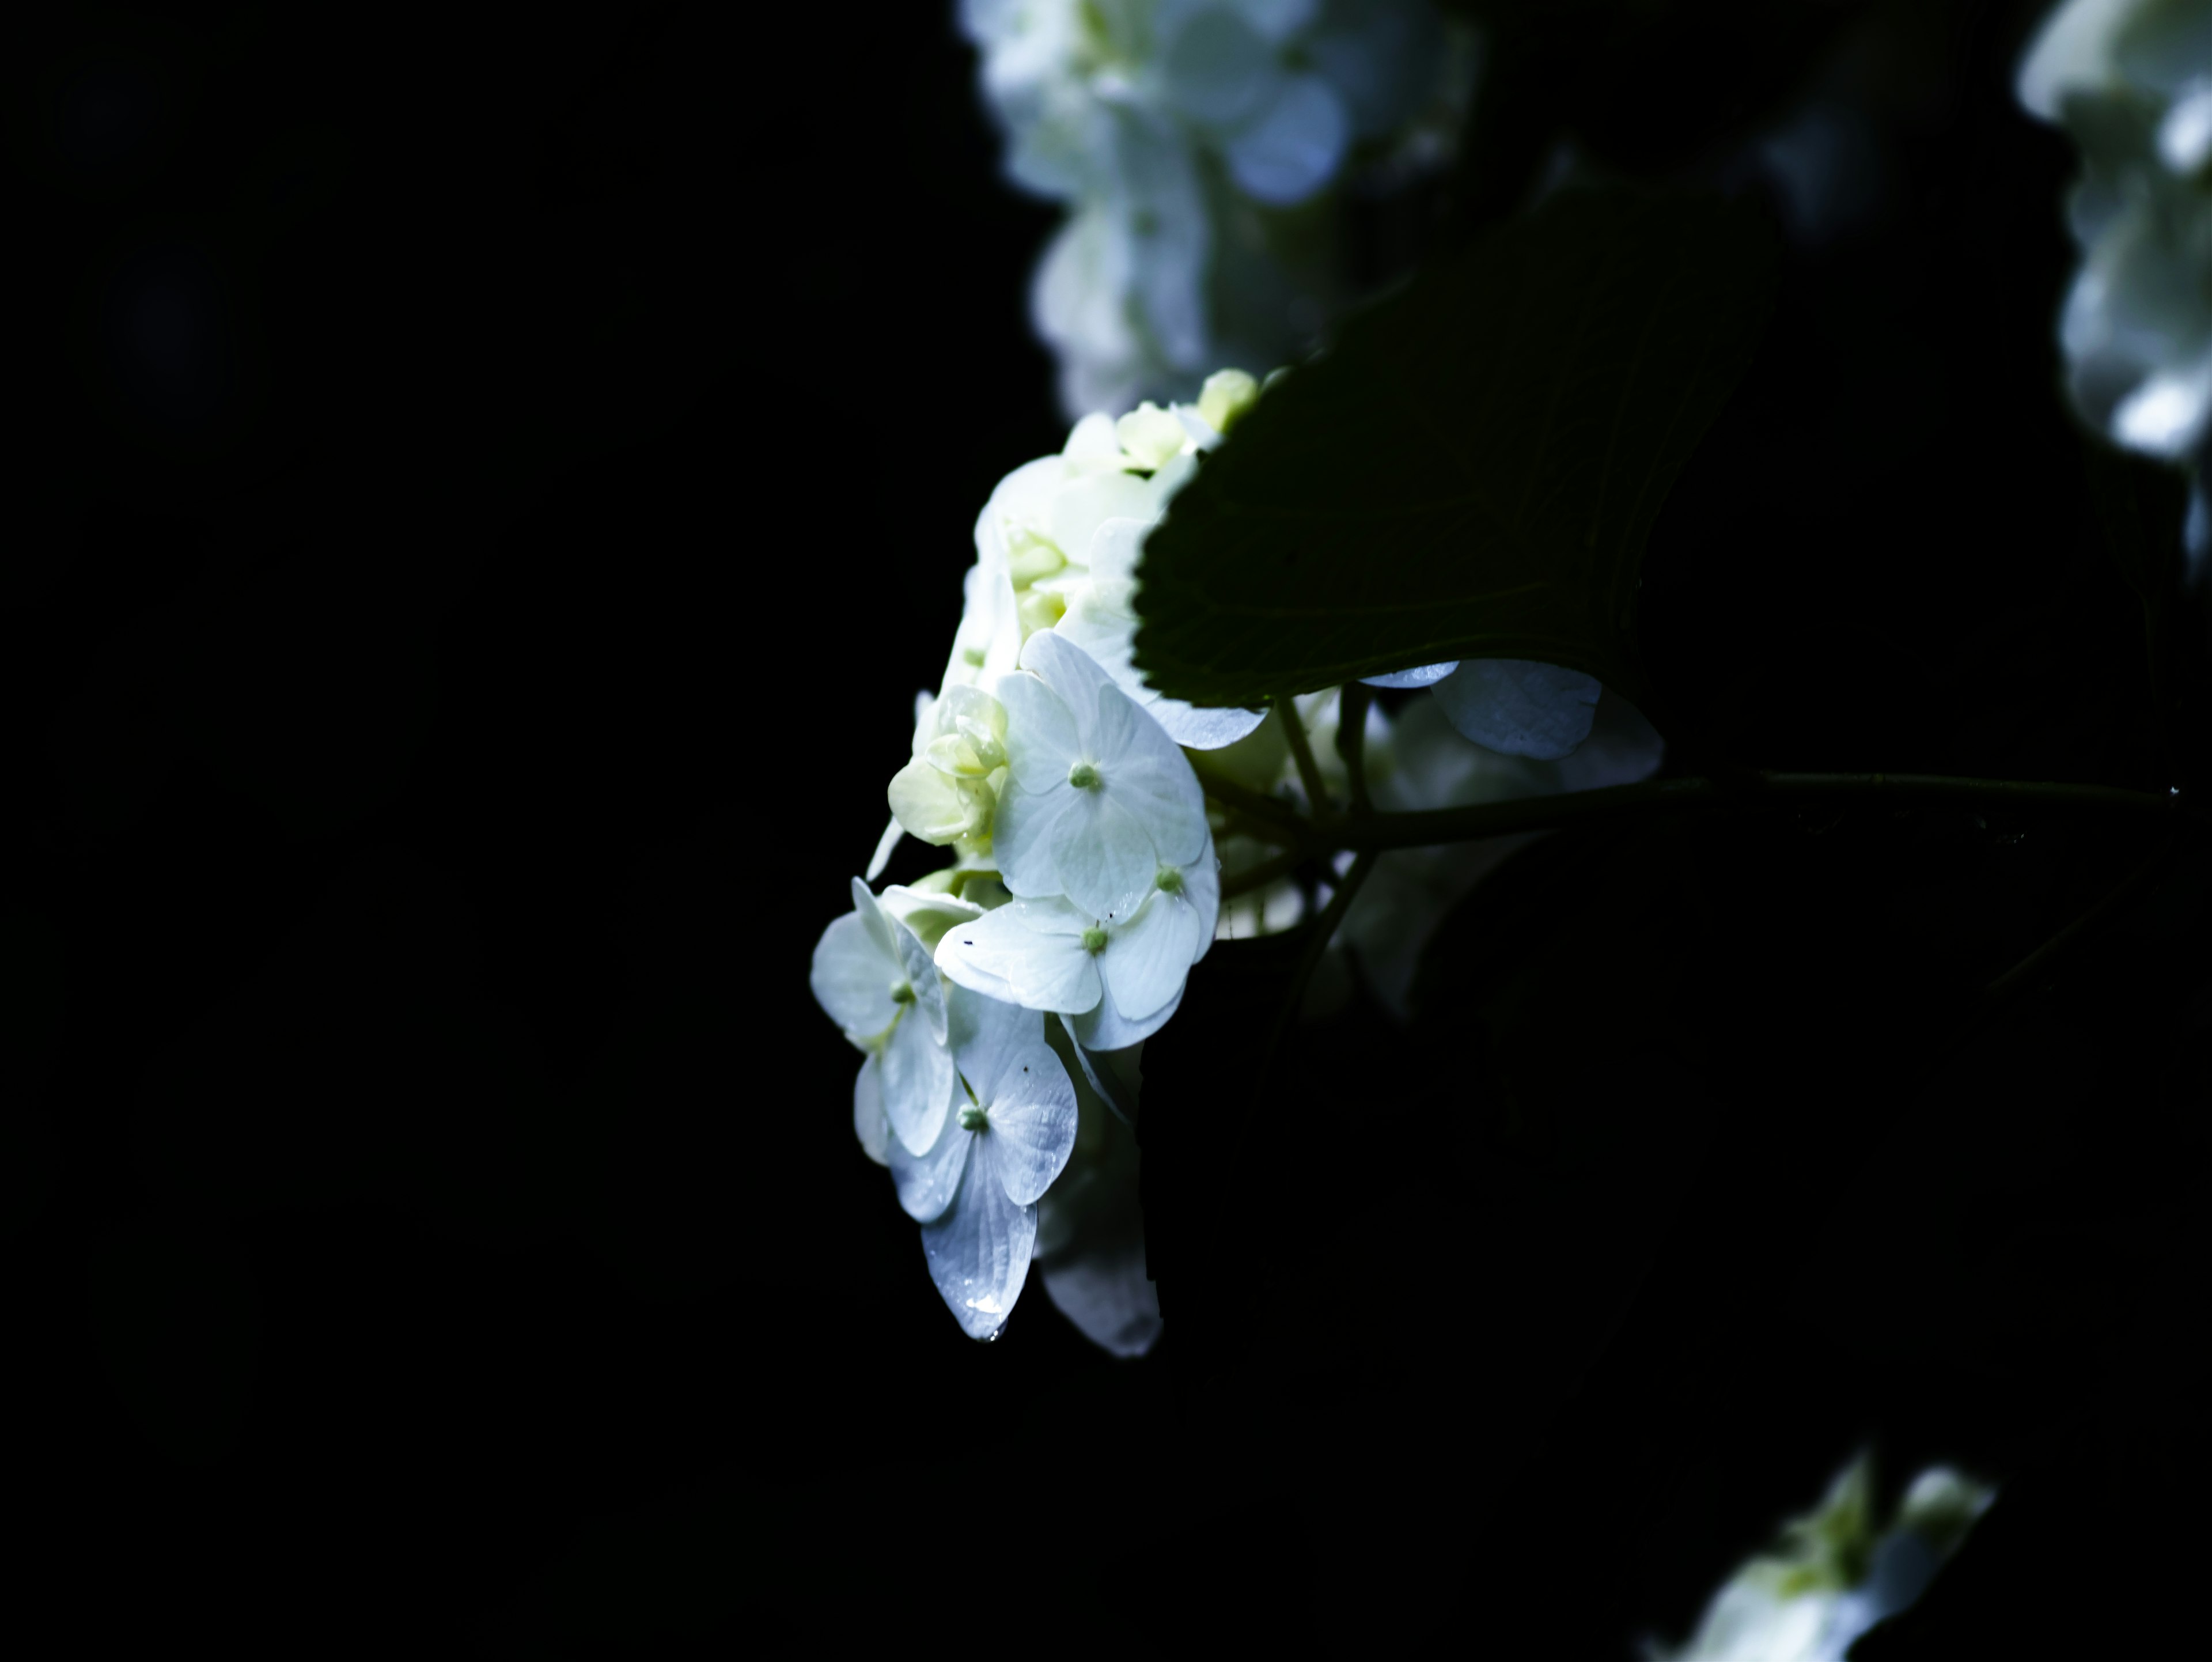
(1259, 876)
(1287, 824)
(1301, 752)
(1435, 825)
(1352, 739)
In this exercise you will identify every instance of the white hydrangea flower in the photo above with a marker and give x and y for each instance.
(2131, 82)
(1117, 978)
(975, 1188)
(879, 982)
(1181, 132)
(1515, 706)
(1098, 799)
(1834, 1575)
(949, 792)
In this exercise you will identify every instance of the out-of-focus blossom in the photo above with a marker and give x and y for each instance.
(1833, 1574)
(1197, 143)
(2132, 82)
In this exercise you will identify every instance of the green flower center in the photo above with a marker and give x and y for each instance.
(972, 1118)
(1083, 776)
(1094, 939)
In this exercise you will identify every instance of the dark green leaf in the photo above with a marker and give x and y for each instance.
(1472, 470)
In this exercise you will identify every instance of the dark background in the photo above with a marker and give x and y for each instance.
(492, 486)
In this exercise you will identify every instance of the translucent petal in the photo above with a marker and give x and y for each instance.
(917, 1078)
(869, 1124)
(1293, 148)
(1030, 1132)
(1145, 774)
(1622, 748)
(1114, 1074)
(921, 978)
(1103, 1027)
(1520, 708)
(1069, 673)
(1147, 958)
(1001, 1050)
(1427, 675)
(1201, 893)
(885, 845)
(852, 978)
(1015, 952)
(1107, 865)
(1204, 728)
(1092, 444)
(978, 1251)
(872, 917)
(927, 1182)
(1043, 729)
(1026, 839)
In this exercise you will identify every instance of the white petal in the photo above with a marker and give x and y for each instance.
(1426, 675)
(1070, 672)
(885, 845)
(871, 916)
(1202, 892)
(1205, 728)
(1002, 1051)
(852, 978)
(1147, 958)
(1112, 552)
(1026, 837)
(921, 977)
(1024, 949)
(1144, 771)
(926, 1183)
(1084, 504)
(868, 1122)
(1519, 708)
(1293, 147)
(1622, 748)
(1106, 859)
(917, 1081)
(1043, 729)
(1105, 1028)
(979, 1254)
(1030, 1134)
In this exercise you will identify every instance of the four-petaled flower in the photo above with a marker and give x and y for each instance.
(875, 977)
(974, 1190)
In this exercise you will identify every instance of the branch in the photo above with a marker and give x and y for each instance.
(1301, 752)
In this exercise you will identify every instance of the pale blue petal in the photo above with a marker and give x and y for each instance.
(1427, 675)
(852, 978)
(1622, 749)
(1518, 708)
(1147, 958)
(1003, 1053)
(1022, 950)
(917, 1081)
(978, 1251)
(869, 1124)
(1293, 148)
(1031, 1132)
(1105, 1028)
(885, 845)
(926, 1183)
(920, 976)
(872, 917)
(1198, 728)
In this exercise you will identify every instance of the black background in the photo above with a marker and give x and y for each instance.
(492, 485)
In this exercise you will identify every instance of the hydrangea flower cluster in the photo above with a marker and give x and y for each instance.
(1194, 140)
(1001, 1004)
(1833, 1574)
(2132, 82)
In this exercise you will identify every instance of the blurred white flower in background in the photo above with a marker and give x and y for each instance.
(1833, 1574)
(2132, 82)
(1197, 143)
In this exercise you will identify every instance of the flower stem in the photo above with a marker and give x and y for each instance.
(1285, 824)
(1301, 752)
(1352, 739)
(1426, 827)
(1259, 876)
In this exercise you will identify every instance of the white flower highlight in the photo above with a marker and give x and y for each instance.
(1186, 136)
